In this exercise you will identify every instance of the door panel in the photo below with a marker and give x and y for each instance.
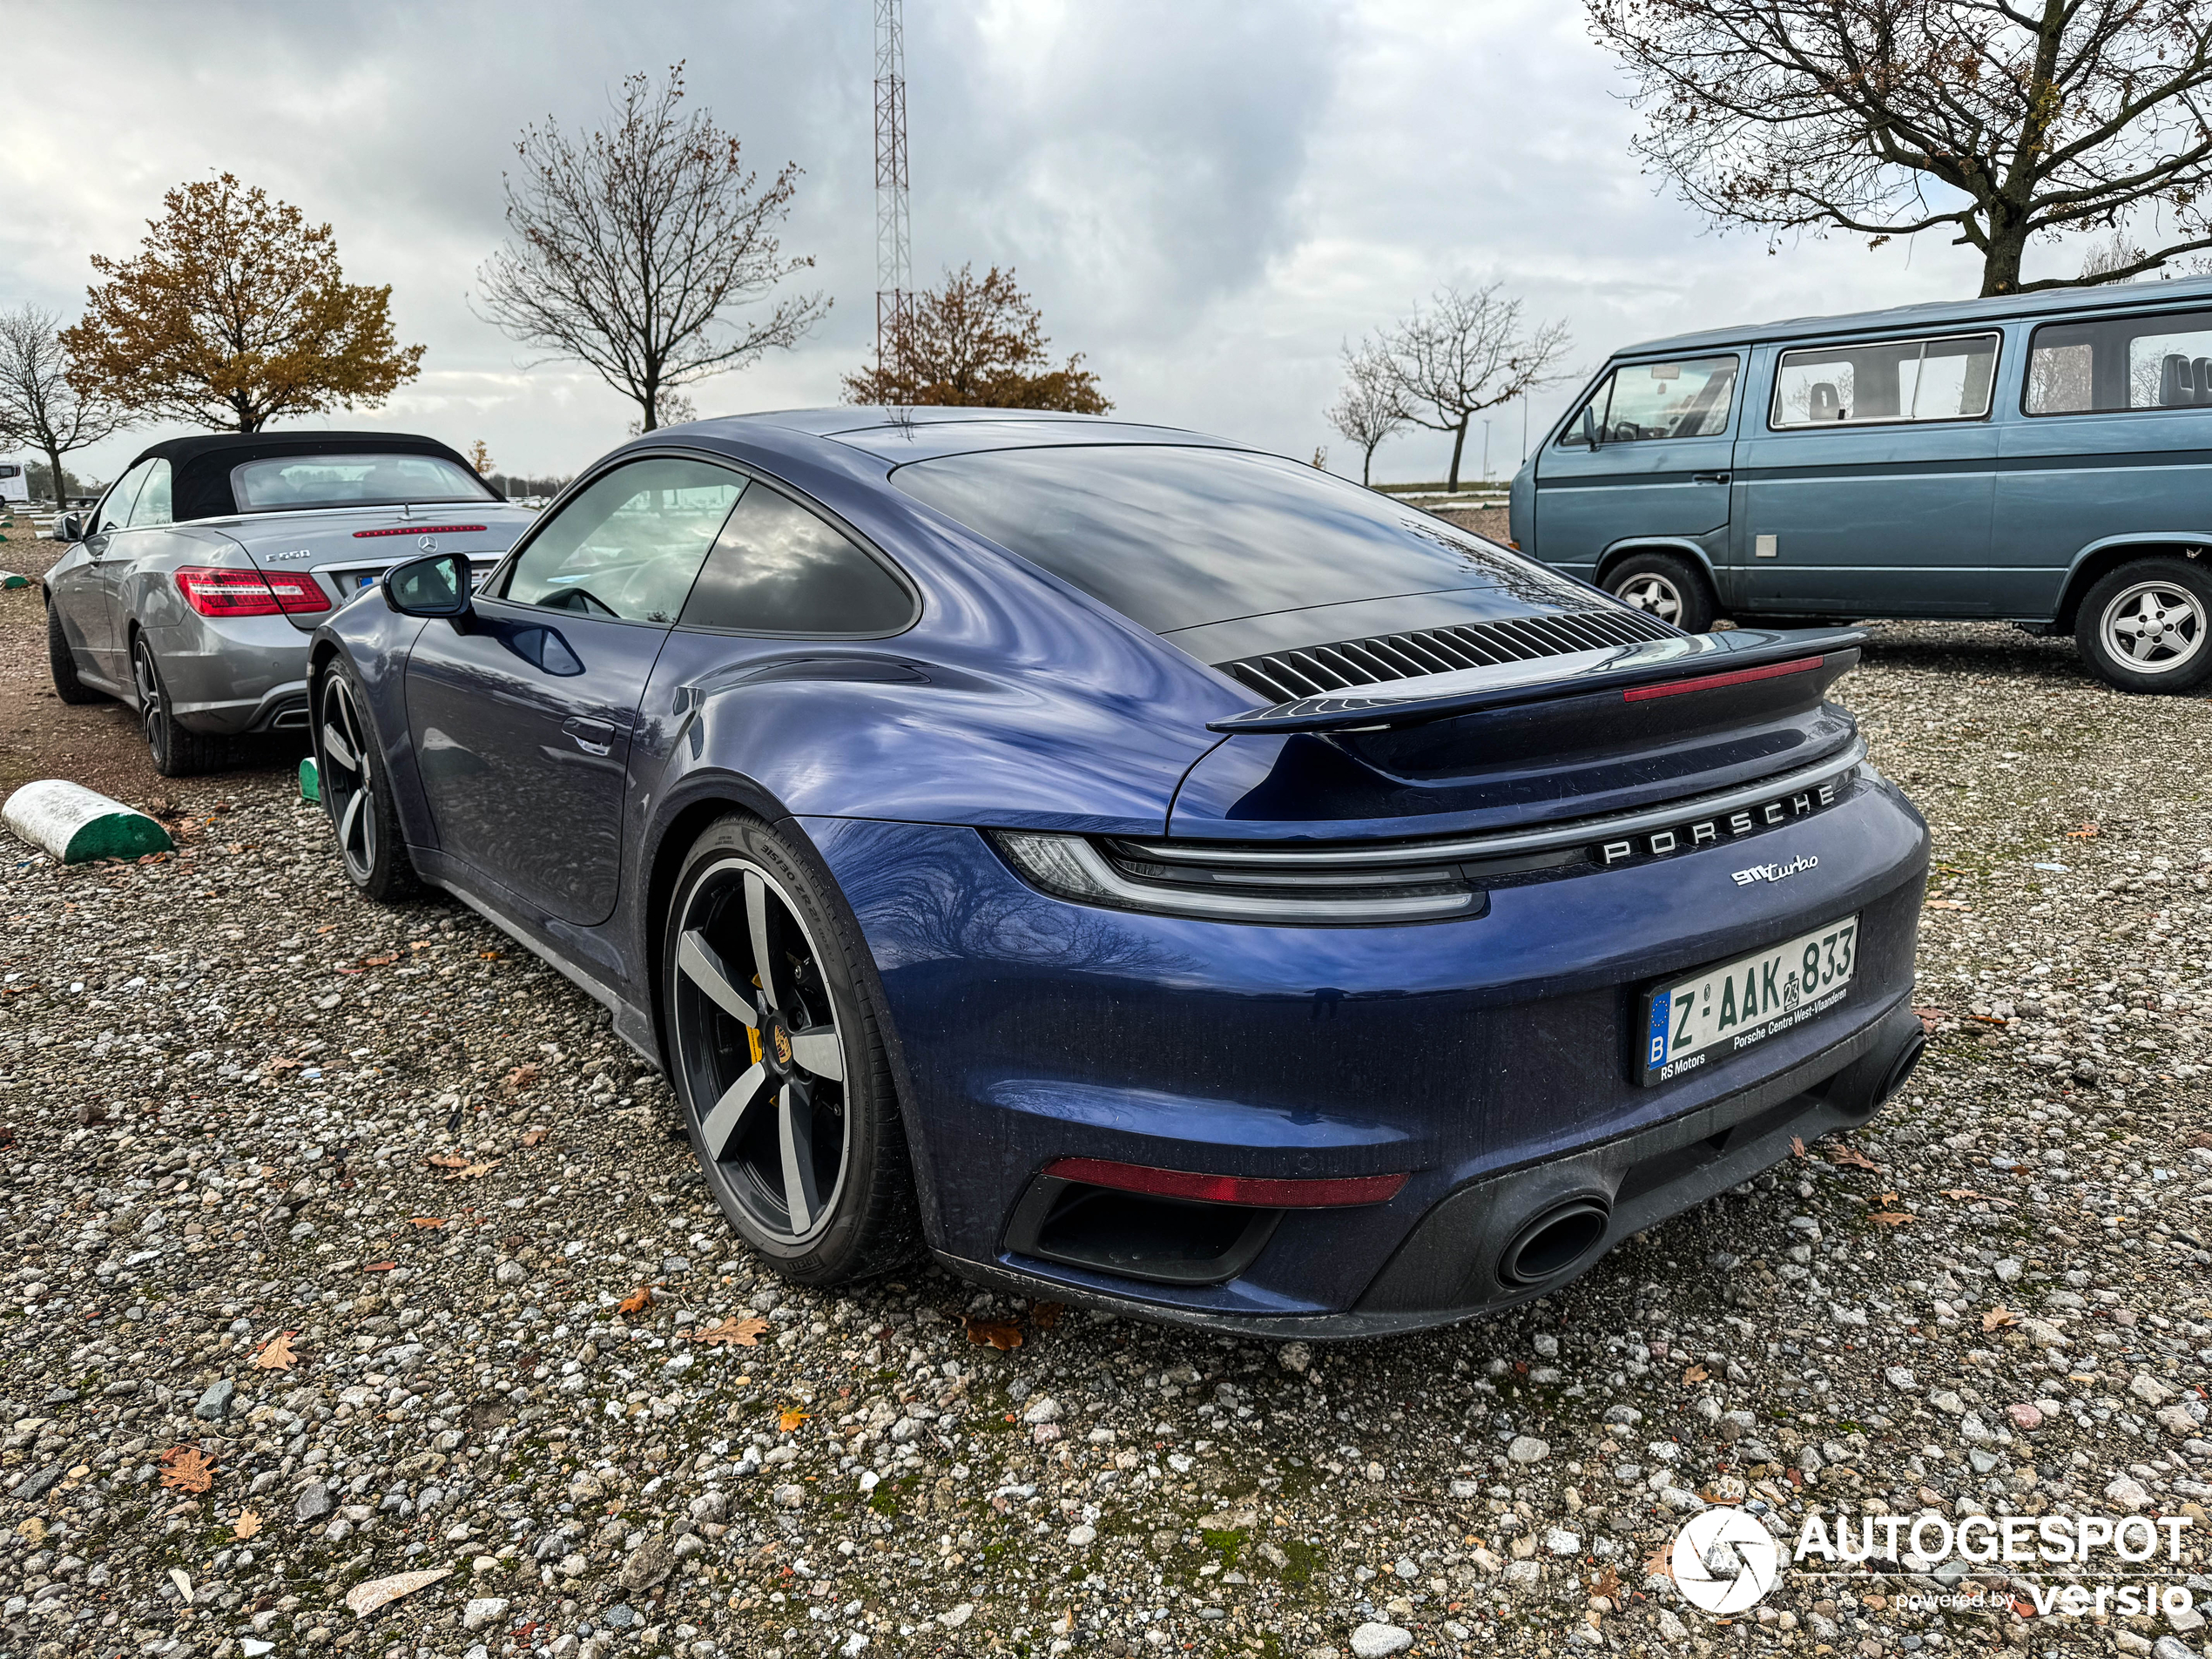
(1661, 469)
(1874, 499)
(2112, 438)
(92, 587)
(522, 724)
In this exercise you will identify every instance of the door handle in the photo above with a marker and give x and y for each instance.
(1707, 477)
(593, 737)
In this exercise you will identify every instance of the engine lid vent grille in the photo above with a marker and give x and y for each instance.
(1314, 670)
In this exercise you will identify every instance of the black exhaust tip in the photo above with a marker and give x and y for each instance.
(1901, 1068)
(1554, 1241)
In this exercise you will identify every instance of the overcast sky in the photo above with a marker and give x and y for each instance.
(1206, 199)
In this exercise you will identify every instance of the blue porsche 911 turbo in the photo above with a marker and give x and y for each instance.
(1146, 872)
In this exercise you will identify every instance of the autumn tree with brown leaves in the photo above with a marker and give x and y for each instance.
(1996, 121)
(631, 245)
(39, 409)
(975, 342)
(235, 312)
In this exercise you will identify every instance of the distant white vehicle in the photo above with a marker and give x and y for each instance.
(14, 483)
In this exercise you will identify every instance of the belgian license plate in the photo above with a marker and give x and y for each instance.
(1705, 1016)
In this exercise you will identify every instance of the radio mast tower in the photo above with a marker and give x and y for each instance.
(893, 255)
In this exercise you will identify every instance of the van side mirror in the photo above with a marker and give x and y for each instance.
(436, 586)
(1589, 427)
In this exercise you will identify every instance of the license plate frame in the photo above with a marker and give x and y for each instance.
(1673, 1041)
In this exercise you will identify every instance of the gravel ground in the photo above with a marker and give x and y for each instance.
(348, 1243)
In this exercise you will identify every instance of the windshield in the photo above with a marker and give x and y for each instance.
(1174, 538)
(293, 482)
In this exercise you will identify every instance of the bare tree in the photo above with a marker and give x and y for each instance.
(39, 407)
(631, 244)
(1995, 119)
(1370, 406)
(1468, 353)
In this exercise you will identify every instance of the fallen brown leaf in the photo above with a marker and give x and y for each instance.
(1695, 1374)
(1606, 1583)
(2086, 833)
(744, 1332)
(447, 1161)
(1891, 1218)
(1797, 1146)
(531, 1137)
(790, 1418)
(1946, 904)
(1661, 1562)
(379, 1267)
(997, 1333)
(521, 1078)
(247, 1525)
(1045, 1315)
(427, 1221)
(379, 961)
(1999, 1315)
(1849, 1157)
(637, 1301)
(276, 1354)
(186, 1469)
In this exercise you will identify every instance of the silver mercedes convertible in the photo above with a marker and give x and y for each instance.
(189, 591)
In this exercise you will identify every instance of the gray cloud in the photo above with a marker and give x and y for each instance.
(1205, 200)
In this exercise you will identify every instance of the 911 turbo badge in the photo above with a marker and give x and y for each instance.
(1776, 872)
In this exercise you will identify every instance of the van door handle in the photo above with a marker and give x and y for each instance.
(593, 737)
(1707, 477)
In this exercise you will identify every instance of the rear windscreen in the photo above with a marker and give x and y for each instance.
(1172, 537)
(351, 480)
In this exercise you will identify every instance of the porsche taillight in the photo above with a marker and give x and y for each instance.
(215, 592)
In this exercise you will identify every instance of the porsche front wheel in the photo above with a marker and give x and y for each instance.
(777, 1056)
(357, 788)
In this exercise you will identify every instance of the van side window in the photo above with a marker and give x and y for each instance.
(1686, 399)
(2160, 361)
(1888, 381)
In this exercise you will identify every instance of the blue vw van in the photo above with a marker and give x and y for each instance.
(2044, 459)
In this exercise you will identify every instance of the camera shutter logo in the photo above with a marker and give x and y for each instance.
(1724, 1561)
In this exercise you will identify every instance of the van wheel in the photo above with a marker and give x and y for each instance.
(1668, 586)
(2148, 626)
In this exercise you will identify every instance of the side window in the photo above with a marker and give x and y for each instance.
(115, 510)
(777, 569)
(1688, 399)
(152, 506)
(2162, 361)
(630, 544)
(1885, 381)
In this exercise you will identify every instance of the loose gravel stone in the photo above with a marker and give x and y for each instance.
(1373, 1640)
(402, 1189)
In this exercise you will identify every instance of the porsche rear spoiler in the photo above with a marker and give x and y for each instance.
(1652, 669)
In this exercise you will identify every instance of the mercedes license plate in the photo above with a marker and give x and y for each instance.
(1724, 1009)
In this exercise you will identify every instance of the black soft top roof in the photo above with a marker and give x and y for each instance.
(202, 462)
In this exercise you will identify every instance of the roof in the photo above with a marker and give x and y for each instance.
(202, 461)
(2046, 302)
(923, 433)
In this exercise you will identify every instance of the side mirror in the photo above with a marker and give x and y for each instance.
(69, 528)
(1589, 427)
(437, 586)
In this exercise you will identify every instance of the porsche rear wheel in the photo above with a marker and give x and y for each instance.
(356, 789)
(776, 1053)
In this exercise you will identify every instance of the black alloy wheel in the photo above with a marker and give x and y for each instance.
(787, 1092)
(178, 750)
